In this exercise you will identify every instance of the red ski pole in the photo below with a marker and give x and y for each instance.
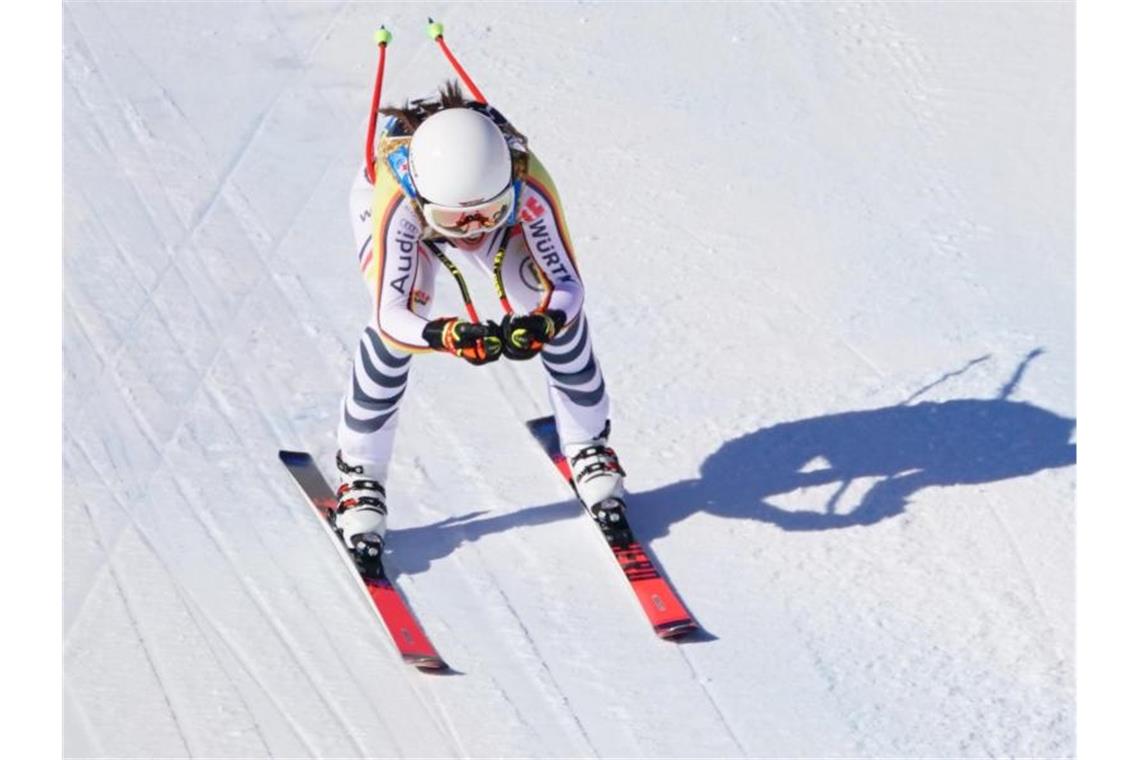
(435, 31)
(382, 37)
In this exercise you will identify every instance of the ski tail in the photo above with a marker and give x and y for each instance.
(546, 433)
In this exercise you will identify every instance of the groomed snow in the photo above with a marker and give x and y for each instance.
(829, 259)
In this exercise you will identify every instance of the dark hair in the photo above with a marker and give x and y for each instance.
(413, 112)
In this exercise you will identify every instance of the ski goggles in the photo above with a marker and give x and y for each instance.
(473, 220)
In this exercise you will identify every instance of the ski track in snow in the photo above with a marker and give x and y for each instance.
(201, 617)
(904, 171)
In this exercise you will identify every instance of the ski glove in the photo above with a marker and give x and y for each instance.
(477, 343)
(525, 334)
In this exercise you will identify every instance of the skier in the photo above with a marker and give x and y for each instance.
(453, 178)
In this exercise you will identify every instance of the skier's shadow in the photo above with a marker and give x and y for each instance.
(894, 452)
(903, 448)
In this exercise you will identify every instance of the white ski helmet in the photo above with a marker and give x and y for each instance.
(461, 168)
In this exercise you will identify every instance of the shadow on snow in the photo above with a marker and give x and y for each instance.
(903, 448)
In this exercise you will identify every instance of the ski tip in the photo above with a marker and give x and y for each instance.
(294, 457)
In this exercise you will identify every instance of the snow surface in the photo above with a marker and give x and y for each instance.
(829, 253)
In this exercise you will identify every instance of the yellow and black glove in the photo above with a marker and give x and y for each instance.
(525, 334)
(477, 343)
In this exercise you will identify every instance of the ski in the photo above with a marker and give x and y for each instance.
(666, 612)
(413, 644)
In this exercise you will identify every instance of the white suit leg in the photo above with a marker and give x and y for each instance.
(574, 378)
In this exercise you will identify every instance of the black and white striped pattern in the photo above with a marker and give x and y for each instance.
(379, 378)
(380, 375)
(572, 368)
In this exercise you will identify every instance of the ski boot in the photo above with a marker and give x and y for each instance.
(361, 515)
(598, 479)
